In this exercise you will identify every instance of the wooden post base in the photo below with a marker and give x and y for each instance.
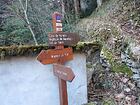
(63, 92)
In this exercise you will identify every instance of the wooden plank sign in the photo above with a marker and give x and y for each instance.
(55, 55)
(63, 72)
(62, 38)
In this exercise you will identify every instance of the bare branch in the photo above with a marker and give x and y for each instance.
(27, 20)
(26, 6)
(21, 5)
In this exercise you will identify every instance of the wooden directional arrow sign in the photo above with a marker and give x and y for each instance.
(55, 56)
(62, 38)
(63, 72)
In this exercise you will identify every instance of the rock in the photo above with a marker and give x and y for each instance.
(134, 50)
(138, 98)
(87, 7)
(135, 71)
(132, 63)
(118, 97)
(107, 69)
(123, 57)
(136, 77)
(127, 89)
(138, 83)
(133, 100)
(136, 65)
(128, 100)
(104, 65)
(129, 61)
(124, 80)
(131, 85)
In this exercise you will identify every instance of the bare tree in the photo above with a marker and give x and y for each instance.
(25, 9)
(77, 6)
(63, 7)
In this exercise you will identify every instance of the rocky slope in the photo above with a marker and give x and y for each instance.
(116, 25)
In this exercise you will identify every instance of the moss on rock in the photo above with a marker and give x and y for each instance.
(32, 50)
(116, 66)
(121, 68)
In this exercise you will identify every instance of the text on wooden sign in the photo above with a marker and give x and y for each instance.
(63, 72)
(54, 56)
(63, 38)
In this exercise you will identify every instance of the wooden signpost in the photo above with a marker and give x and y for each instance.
(60, 55)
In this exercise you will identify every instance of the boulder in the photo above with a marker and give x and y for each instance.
(87, 7)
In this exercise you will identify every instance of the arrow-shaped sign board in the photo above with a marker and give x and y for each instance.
(63, 72)
(55, 56)
(63, 38)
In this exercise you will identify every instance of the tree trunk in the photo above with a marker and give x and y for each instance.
(77, 6)
(63, 8)
(27, 20)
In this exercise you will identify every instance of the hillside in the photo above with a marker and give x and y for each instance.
(115, 25)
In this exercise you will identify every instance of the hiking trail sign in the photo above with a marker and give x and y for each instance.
(63, 72)
(60, 55)
(64, 38)
(55, 56)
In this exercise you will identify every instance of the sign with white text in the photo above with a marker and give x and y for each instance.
(63, 38)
